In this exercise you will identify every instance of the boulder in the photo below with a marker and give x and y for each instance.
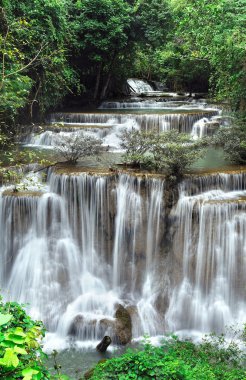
(103, 345)
(123, 325)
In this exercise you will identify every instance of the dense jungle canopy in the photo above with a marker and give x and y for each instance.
(51, 50)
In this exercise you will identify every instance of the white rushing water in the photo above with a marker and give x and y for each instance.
(155, 104)
(139, 86)
(192, 117)
(58, 257)
(212, 240)
(91, 243)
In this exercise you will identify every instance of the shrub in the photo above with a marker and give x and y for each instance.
(77, 145)
(176, 360)
(233, 141)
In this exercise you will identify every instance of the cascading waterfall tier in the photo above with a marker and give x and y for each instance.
(153, 104)
(94, 242)
(139, 86)
(159, 122)
(189, 117)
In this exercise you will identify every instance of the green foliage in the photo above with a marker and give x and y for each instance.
(20, 351)
(152, 20)
(100, 30)
(21, 355)
(176, 360)
(34, 69)
(151, 23)
(14, 85)
(233, 140)
(193, 45)
(49, 49)
(214, 31)
(171, 151)
(101, 27)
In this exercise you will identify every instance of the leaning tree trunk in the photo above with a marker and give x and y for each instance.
(105, 87)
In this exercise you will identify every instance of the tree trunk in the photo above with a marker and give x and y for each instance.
(99, 72)
(242, 105)
(105, 87)
(110, 69)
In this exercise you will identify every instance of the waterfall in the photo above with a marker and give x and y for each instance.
(211, 239)
(74, 252)
(139, 86)
(205, 126)
(154, 104)
(92, 242)
(160, 122)
(224, 181)
(127, 223)
(200, 128)
(188, 117)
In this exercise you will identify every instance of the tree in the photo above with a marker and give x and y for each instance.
(101, 30)
(14, 84)
(171, 151)
(136, 145)
(152, 20)
(34, 69)
(233, 141)
(77, 146)
(214, 31)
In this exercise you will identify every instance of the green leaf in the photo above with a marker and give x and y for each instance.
(19, 331)
(5, 318)
(10, 359)
(28, 373)
(16, 338)
(7, 343)
(20, 350)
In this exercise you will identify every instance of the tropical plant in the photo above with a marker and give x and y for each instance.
(21, 355)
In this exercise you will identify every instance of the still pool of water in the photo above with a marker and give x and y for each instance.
(75, 363)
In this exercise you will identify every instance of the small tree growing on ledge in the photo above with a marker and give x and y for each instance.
(77, 145)
(170, 151)
(233, 141)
